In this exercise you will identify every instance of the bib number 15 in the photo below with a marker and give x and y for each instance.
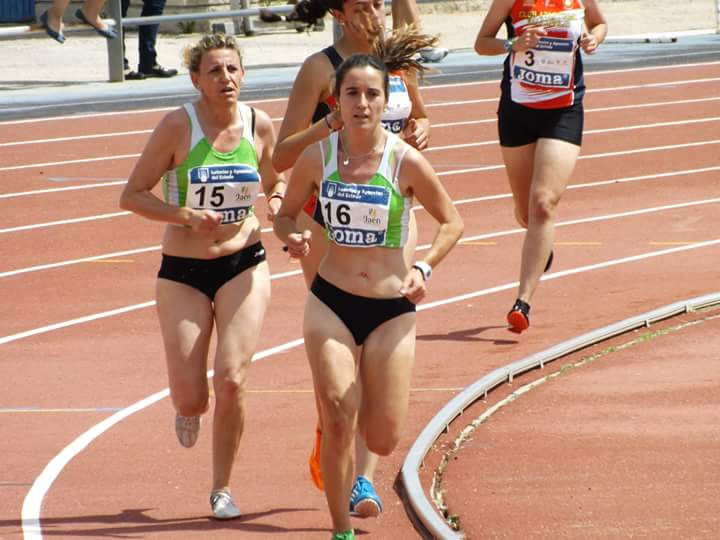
(215, 196)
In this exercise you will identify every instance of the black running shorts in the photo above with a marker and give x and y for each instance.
(519, 125)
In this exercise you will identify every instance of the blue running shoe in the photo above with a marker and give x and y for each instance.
(364, 502)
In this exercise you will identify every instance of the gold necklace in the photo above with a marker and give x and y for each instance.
(348, 157)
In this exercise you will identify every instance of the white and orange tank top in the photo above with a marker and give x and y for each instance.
(550, 75)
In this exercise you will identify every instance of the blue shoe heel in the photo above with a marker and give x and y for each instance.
(107, 33)
(364, 501)
(57, 36)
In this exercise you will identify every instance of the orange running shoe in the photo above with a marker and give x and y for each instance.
(314, 462)
(519, 317)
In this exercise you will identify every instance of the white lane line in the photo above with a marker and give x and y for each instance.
(589, 91)
(430, 105)
(586, 185)
(49, 266)
(592, 156)
(444, 173)
(596, 109)
(104, 315)
(630, 213)
(64, 222)
(69, 162)
(73, 322)
(78, 137)
(55, 190)
(127, 156)
(590, 132)
(652, 177)
(33, 500)
(589, 74)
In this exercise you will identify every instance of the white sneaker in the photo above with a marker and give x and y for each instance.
(433, 55)
(223, 505)
(187, 429)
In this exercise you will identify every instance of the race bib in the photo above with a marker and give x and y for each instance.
(549, 65)
(355, 215)
(398, 107)
(228, 189)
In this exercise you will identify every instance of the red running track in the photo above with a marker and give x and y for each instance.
(80, 344)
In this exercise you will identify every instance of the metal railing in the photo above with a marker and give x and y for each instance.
(241, 18)
(416, 497)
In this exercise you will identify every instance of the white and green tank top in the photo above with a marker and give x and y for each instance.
(227, 182)
(372, 214)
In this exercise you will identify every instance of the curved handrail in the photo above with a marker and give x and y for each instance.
(416, 497)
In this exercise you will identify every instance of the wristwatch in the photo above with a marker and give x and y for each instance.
(508, 44)
(425, 269)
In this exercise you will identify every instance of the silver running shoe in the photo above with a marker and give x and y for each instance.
(187, 429)
(433, 55)
(223, 505)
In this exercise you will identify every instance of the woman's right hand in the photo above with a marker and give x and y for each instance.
(529, 38)
(299, 244)
(204, 221)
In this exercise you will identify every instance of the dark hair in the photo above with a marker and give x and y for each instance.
(360, 61)
(310, 11)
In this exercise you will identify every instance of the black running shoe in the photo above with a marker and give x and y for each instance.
(519, 317)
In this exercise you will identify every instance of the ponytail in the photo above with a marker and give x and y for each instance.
(399, 49)
(311, 11)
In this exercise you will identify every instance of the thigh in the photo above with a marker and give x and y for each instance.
(240, 306)
(554, 164)
(385, 368)
(519, 166)
(186, 322)
(332, 355)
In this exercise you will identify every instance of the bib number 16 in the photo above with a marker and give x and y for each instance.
(342, 214)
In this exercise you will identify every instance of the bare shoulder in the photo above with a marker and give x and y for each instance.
(413, 161)
(174, 124)
(263, 123)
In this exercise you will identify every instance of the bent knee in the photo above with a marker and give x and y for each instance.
(382, 444)
(543, 208)
(190, 404)
(229, 389)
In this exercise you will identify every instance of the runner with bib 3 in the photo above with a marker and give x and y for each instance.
(540, 116)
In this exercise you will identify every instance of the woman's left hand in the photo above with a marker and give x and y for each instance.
(589, 43)
(415, 134)
(413, 286)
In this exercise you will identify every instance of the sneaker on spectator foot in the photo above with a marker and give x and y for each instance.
(363, 499)
(223, 505)
(519, 317)
(187, 429)
(433, 55)
(269, 16)
(158, 71)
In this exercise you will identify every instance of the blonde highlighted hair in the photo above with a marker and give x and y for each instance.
(192, 55)
(399, 49)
